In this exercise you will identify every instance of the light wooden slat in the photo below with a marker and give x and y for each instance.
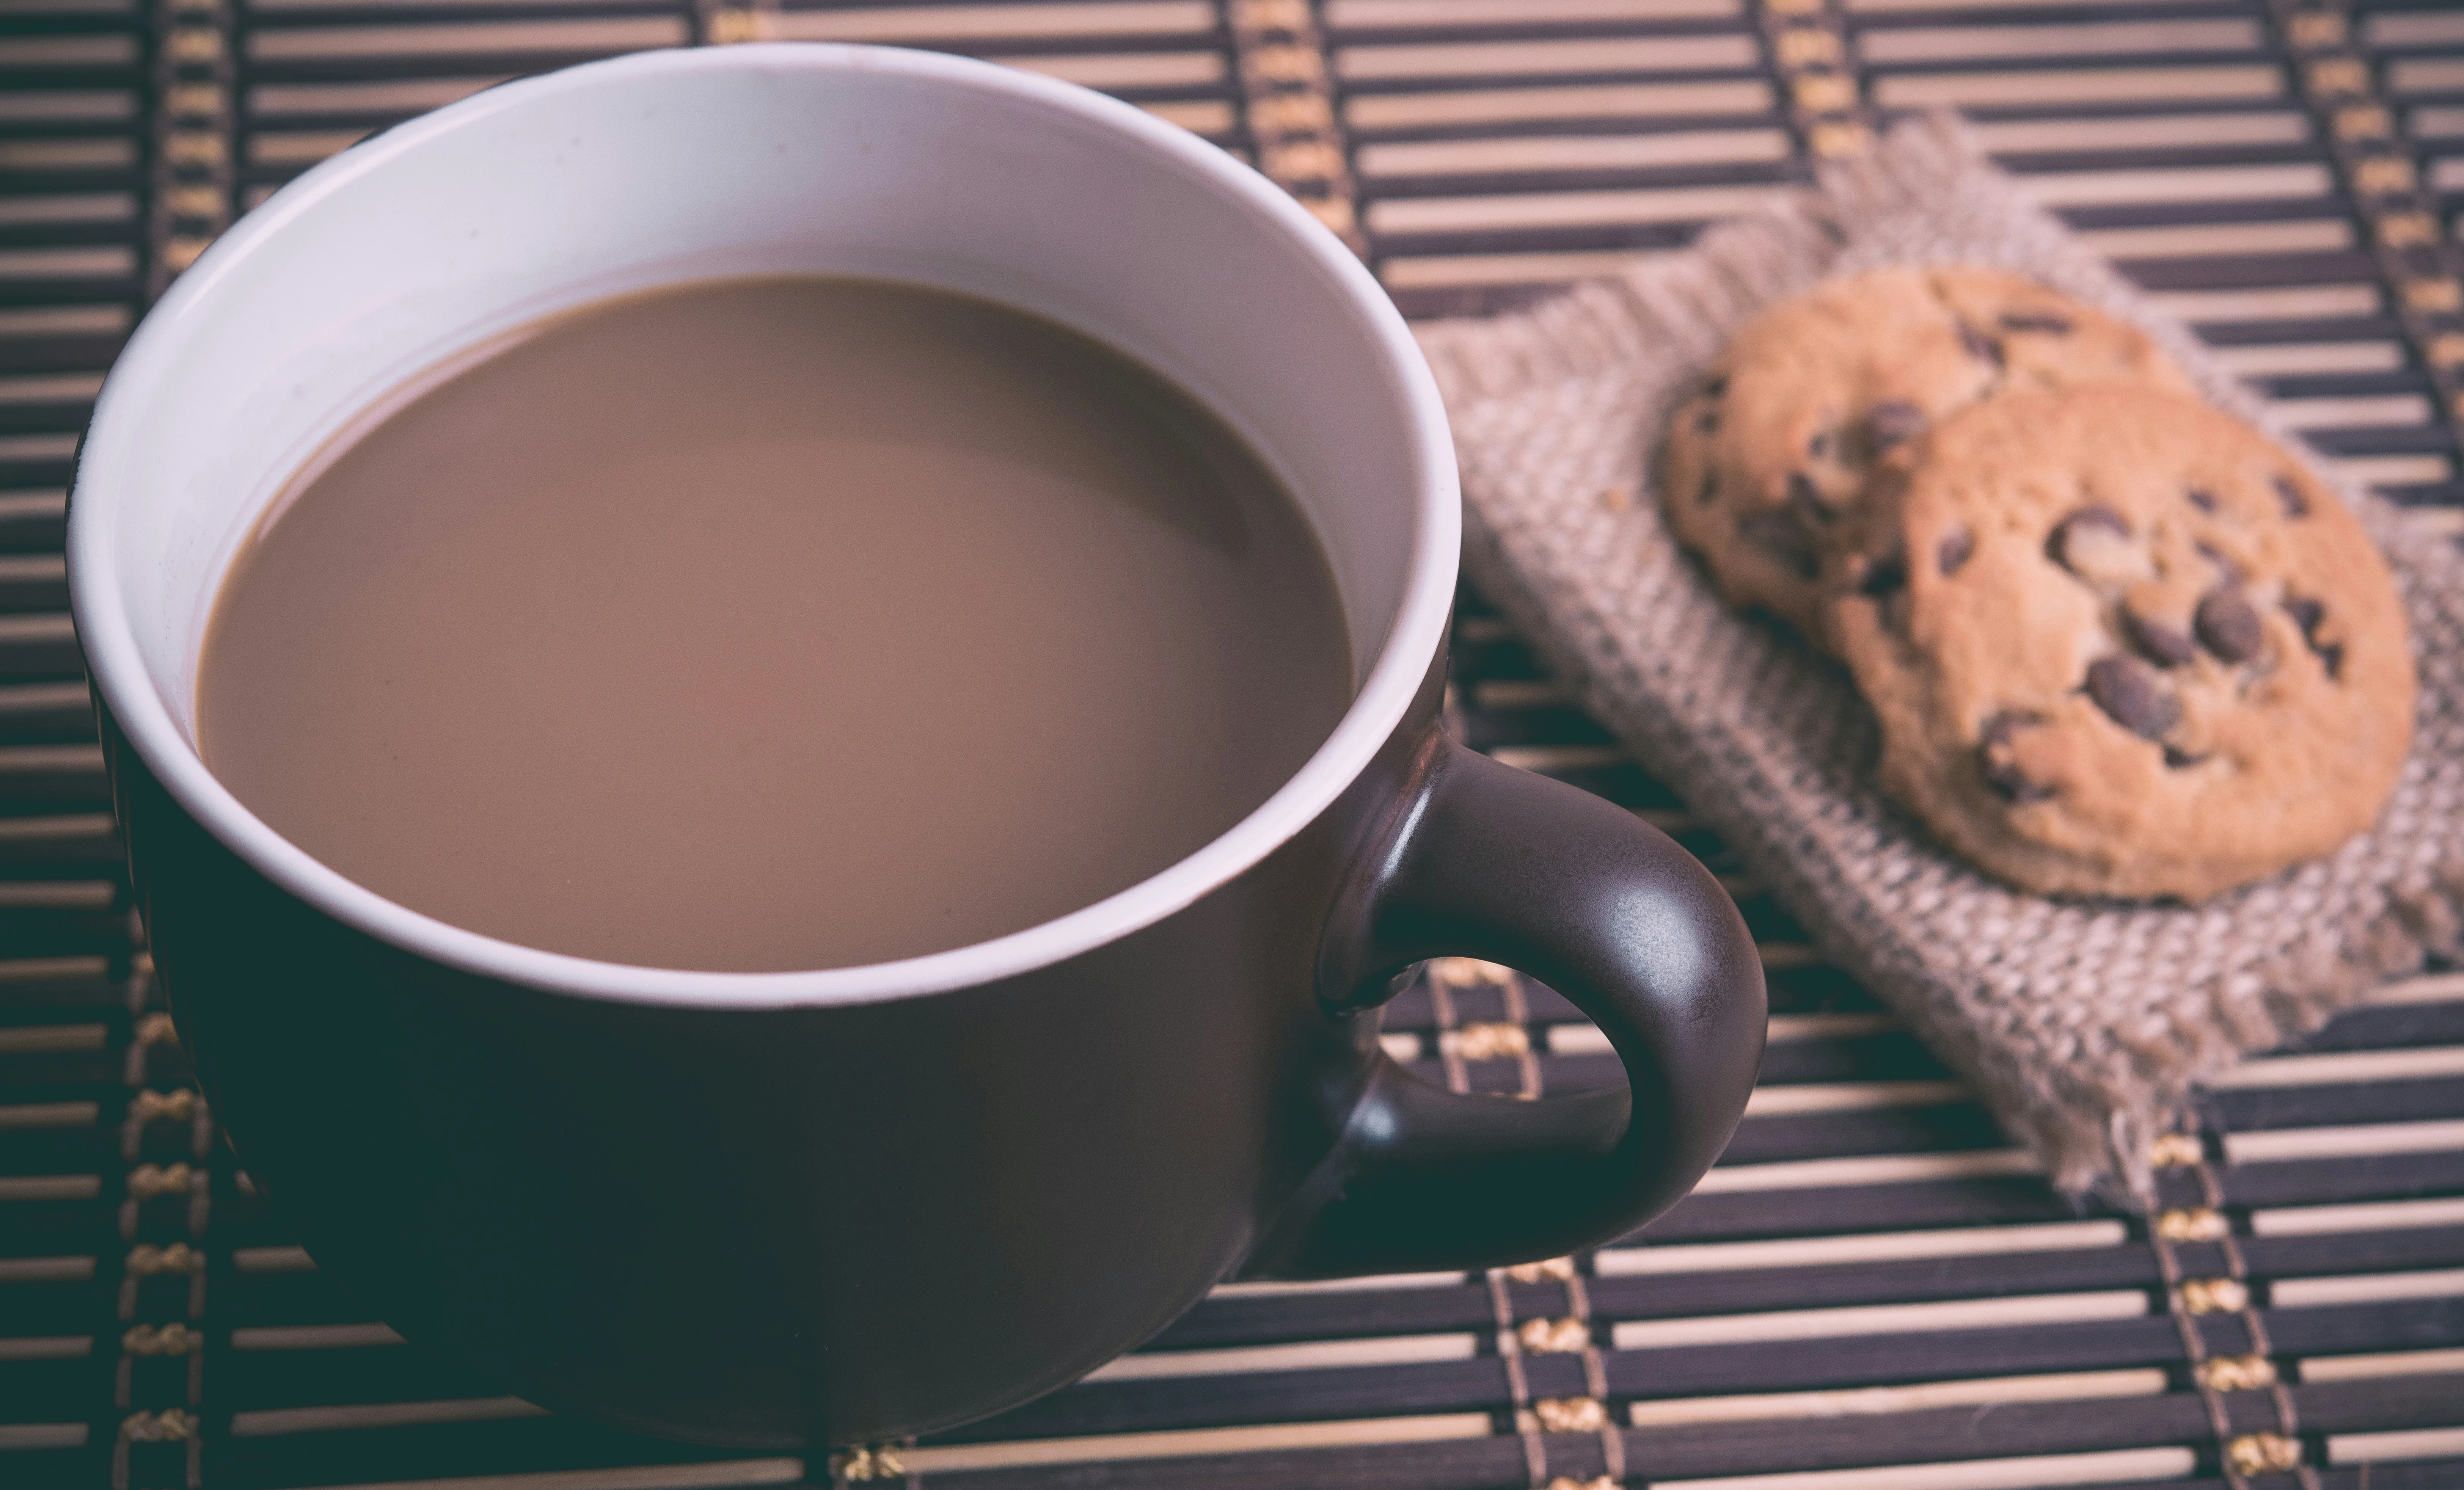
(2344, 1066)
(1870, 1247)
(2221, 240)
(2299, 302)
(2147, 132)
(272, 1259)
(1127, 69)
(724, 1475)
(50, 1114)
(42, 1435)
(106, 49)
(1415, 14)
(2436, 124)
(46, 1270)
(1380, 63)
(1574, 152)
(2127, 38)
(1468, 271)
(2425, 77)
(276, 100)
(1876, 1401)
(2388, 410)
(2436, 987)
(313, 1337)
(80, 106)
(34, 1038)
(345, 43)
(2373, 1368)
(50, 1187)
(1527, 105)
(1197, 115)
(2413, 28)
(2372, 471)
(1880, 1319)
(28, 970)
(2380, 1447)
(1562, 208)
(103, 262)
(1359, 1432)
(1887, 1169)
(2317, 1293)
(92, 206)
(66, 155)
(2343, 1143)
(942, 23)
(2191, 184)
(2112, 1467)
(1378, 1282)
(50, 387)
(46, 1347)
(2104, 85)
(1794, 1100)
(1314, 1355)
(65, 320)
(2311, 358)
(279, 148)
(57, 894)
(273, 1422)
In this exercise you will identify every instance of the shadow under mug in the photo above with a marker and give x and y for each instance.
(776, 1209)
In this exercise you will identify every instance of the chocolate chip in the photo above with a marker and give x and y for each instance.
(2002, 774)
(2204, 501)
(1979, 345)
(1805, 498)
(2306, 614)
(1716, 386)
(1711, 488)
(2155, 641)
(2228, 626)
(1890, 422)
(2296, 505)
(1885, 576)
(2085, 538)
(2126, 690)
(1783, 530)
(1819, 446)
(1707, 421)
(2309, 615)
(2181, 759)
(1954, 550)
(2036, 320)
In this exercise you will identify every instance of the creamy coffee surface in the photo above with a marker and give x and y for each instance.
(772, 623)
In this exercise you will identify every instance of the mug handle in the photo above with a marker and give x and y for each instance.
(1485, 860)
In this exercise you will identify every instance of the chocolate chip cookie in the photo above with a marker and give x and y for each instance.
(1776, 445)
(2120, 644)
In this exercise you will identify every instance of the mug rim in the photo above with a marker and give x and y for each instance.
(122, 679)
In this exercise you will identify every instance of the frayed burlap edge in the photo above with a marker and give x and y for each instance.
(2084, 1025)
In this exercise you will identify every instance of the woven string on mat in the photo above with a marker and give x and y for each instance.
(2084, 1024)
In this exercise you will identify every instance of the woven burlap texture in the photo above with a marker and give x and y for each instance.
(2085, 1026)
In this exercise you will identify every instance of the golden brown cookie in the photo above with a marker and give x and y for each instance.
(1775, 445)
(2120, 644)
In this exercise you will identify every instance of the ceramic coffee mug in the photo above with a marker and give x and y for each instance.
(812, 1208)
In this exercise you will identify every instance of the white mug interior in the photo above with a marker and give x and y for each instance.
(665, 167)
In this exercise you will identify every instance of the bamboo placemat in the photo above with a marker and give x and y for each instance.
(1872, 1291)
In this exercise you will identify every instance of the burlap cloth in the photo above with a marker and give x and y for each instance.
(2084, 1025)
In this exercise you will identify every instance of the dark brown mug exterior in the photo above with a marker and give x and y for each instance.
(792, 1228)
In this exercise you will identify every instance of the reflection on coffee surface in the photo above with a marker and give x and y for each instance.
(772, 623)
